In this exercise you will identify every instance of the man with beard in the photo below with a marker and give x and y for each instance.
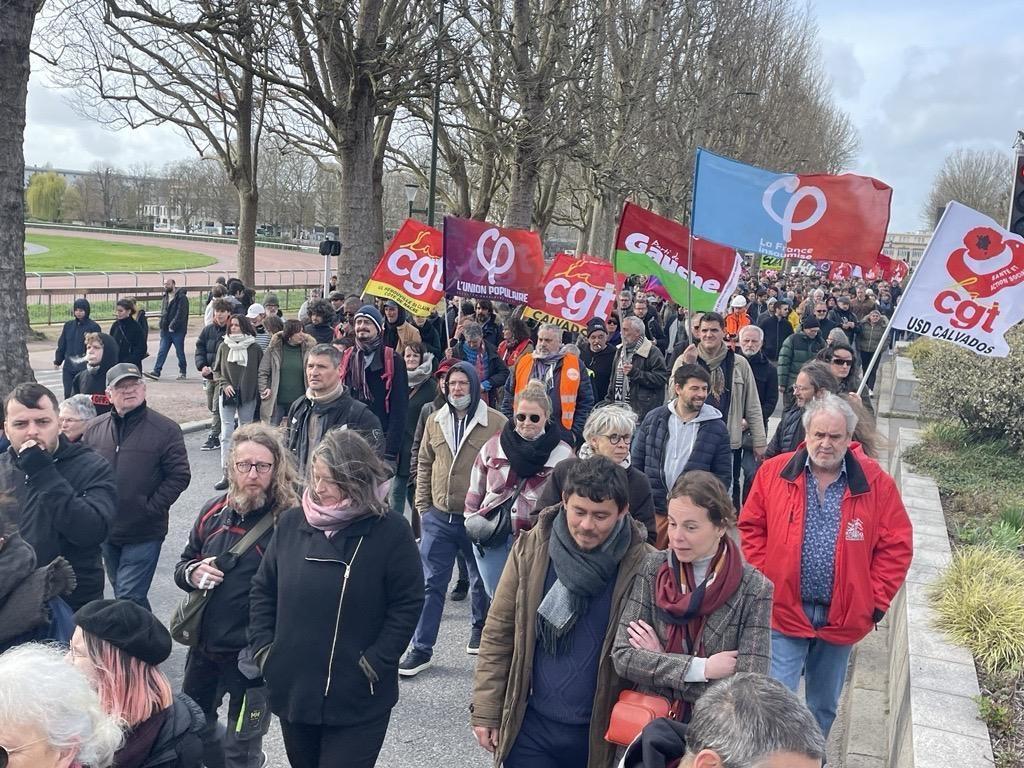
(767, 380)
(65, 493)
(100, 356)
(827, 527)
(261, 485)
(398, 331)
(489, 324)
(327, 404)
(571, 395)
(375, 375)
(683, 435)
(598, 356)
(173, 327)
(843, 317)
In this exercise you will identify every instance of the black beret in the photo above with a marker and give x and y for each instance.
(127, 626)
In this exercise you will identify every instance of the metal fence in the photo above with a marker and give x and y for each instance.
(47, 306)
(191, 278)
(172, 235)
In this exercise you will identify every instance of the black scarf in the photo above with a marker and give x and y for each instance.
(357, 371)
(527, 457)
(391, 331)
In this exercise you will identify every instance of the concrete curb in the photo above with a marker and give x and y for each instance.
(195, 426)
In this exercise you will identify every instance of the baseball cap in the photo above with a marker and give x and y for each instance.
(336, 296)
(122, 371)
(255, 310)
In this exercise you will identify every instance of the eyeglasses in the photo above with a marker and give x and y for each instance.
(616, 439)
(245, 467)
(533, 417)
(69, 419)
(842, 361)
(820, 311)
(6, 752)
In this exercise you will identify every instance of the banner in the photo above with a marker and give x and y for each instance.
(482, 261)
(648, 244)
(409, 272)
(574, 291)
(771, 262)
(891, 269)
(969, 286)
(816, 216)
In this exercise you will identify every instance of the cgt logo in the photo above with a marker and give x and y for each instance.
(415, 262)
(576, 291)
(981, 244)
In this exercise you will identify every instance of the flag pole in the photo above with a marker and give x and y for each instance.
(689, 251)
(906, 292)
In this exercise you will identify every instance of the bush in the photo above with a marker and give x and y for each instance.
(982, 393)
(980, 604)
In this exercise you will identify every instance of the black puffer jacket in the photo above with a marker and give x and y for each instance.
(178, 743)
(217, 529)
(131, 341)
(93, 381)
(330, 618)
(345, 411)
(72, 336)
(206, 345)
(147, 451)
(789, 434)
(65, 506)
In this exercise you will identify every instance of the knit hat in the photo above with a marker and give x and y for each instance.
(444, 366)
(128, 626)
(372, 314)
(810, 322)
(597, 324)
(271, 298)
(336, 296)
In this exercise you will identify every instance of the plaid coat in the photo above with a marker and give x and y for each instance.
(743, 624)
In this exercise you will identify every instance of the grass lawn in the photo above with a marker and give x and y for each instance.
(86, 254)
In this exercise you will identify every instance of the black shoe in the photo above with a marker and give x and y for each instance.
(473, 646)
(181, 377)
(461, 590)
(222, 485)
(212, 444)
(154, 375)
(413, 663)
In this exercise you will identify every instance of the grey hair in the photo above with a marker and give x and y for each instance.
(635, 323)
(747, 717)
(40, 689)
(472, 329)
(571, 349)
(609, 419)
(837, 336)
(81, 406)
(833, 404)
(551, 327)
(353, 465)
(756, 329)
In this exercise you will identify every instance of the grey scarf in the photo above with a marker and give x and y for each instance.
(418, 375)
(580, 576)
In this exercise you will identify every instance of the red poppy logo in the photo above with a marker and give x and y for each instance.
(981, 244)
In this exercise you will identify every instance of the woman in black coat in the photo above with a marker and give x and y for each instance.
(129, 334)
(334, 605)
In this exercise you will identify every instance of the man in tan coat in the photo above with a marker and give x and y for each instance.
(545, 684)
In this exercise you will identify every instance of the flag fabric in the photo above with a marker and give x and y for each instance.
(482, 261)
(648, 244)
(804, 216)
(968, 288)
(410, 271)
(574, 291)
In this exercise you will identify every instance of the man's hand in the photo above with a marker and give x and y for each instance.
(56, 365)
(32, 457)
(486, 737)
(265, 394)
(626, 368)
(206, 371)
(206, 575)
(721, 665)
(690, 354)
(759, 453)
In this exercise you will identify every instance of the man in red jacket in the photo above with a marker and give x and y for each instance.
(827, 527)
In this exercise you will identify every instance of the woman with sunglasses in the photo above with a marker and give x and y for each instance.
(614, 334)
(843, 363)
(262, 485)
(510, 471)
(50, 716)
(609, 432)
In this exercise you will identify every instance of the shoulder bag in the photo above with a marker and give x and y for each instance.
(188, 616)
(633, 712)
(491, 531)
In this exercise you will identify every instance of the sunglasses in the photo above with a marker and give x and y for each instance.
(533, 417)
(842, 361)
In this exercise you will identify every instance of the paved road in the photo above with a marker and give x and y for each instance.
(429, 727)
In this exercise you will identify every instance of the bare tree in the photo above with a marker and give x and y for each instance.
(18, 19)
(980, 179)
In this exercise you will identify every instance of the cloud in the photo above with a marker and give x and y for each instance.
(844, 69)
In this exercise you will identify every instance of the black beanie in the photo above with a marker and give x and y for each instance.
(809, 322)
(127, 626)
(597, 324)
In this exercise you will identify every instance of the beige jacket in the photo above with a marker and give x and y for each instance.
(504, 668)
(270, 371)
(745, 403)
(442, 472)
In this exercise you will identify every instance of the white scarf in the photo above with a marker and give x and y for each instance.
(238, 346)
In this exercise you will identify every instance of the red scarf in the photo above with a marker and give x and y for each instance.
(510, 355)
(685, 606)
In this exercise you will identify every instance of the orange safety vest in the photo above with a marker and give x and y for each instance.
(568, 384)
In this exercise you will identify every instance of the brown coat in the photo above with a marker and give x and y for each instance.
(743, 624)
(270, 371)
(504, 668)
(407, 334)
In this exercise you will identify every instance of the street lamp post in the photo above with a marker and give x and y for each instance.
(432, 189)
(411, 190)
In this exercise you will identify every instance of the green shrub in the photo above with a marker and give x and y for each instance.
(921, 350)
(979, 600)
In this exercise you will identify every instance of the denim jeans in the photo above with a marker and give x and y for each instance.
(823, 666)
(246, 413)
(490, 563)
(542, 743)
(130, 569)
(167, 338)
(742, 463)
(441, 537)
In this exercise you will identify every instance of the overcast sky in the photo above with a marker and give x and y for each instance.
(919, 78)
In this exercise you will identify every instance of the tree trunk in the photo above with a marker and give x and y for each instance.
(360, 244)
(248, 210)
(18, 20)
(526, 172)
(604, 218)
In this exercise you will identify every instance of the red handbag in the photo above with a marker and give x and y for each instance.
(632, 712)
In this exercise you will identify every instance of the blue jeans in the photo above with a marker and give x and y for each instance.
(490, 563)
(130, 569)
(441, 537)
(246, 413)
(823, 666)
(167, 338)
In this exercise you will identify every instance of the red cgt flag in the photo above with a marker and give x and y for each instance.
(409, 272)
(574, 291)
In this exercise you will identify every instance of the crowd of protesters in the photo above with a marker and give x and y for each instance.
(624, 522)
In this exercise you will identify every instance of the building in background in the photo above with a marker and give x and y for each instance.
(906, 246)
